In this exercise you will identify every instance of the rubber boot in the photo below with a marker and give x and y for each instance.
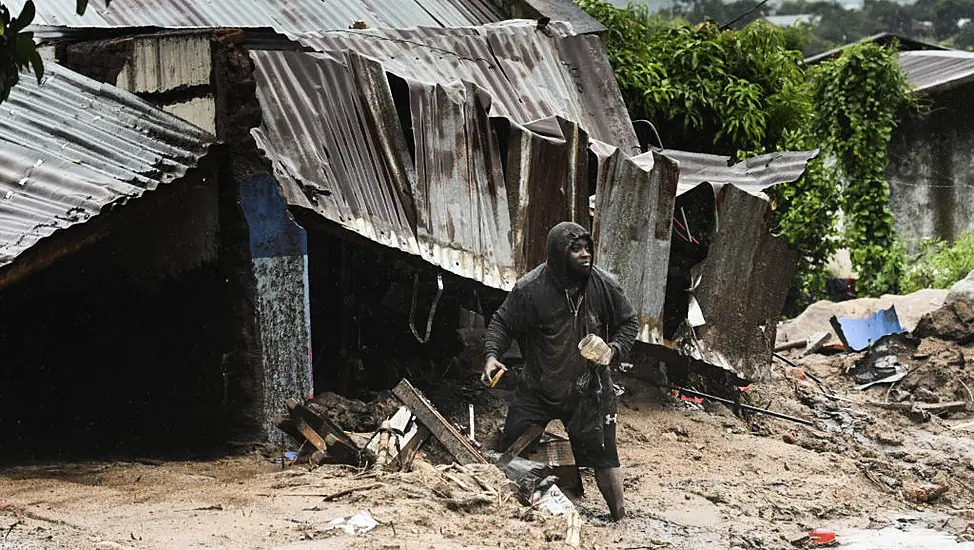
(609, 481)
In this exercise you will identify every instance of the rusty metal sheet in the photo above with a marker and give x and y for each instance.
(754, 174)
(740, 286)
(419, 158)
(332, 135)
(634, 209)
(72, 148)
(463, 222)
(287, 16)
(528, 74)
(547, 183)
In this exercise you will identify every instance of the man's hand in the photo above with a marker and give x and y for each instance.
(491, 369)
(606, 356)
(595, 349)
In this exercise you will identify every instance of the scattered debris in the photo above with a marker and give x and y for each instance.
(859, 334)
(927, 492)
(362, 522)
(554, 501)
(954, 321)
(458, 445)
(822, 537)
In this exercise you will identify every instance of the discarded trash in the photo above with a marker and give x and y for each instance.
(554, 501)
(927, 492)
(882, 365)
(815, 342)
(859, 334)
(822, 537)
(362, 522)
(290, 455)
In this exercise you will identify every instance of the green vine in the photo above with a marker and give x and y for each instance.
(857, 98)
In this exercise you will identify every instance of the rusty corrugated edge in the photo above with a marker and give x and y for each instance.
(633, 222)
(289, 17)
(528, 74)
(72, 146)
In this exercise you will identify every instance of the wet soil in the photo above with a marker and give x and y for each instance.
(697, 476)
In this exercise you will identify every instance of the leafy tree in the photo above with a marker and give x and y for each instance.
(725, 92)
(17, 48)
(744, 92)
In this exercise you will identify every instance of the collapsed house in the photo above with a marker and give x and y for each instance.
(373, 184)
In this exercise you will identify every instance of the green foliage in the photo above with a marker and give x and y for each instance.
(938, 264)
(726, 92)
(744, 92)
(857, 98)
(17, 49)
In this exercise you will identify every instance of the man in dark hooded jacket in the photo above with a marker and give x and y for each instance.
(549, 311)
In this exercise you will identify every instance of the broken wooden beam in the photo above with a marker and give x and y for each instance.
(404, 460)
(454, 442)
(532, 433)
(573, 535)
(310, 434)
(334, 439)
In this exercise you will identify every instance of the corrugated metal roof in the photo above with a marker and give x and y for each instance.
(883, 39)
(338, 145)
(930, 70)
(72, 146)
(450, 172)
(741, 285)
(752, 175)
(529, 74)
(287, 16)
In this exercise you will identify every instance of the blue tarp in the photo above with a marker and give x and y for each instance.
(859, 334)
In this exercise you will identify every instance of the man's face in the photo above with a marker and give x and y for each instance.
(580, 256)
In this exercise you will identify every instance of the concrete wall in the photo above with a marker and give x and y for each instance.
(279, 249)
(931, 168)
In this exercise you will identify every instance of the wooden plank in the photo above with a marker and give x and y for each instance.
(309, 434)
(336, 441)
(573, 535)
(404, 460)
(320, 423)
(529, 436)
(443, 431)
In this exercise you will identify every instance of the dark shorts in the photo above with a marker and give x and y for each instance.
(527, 409)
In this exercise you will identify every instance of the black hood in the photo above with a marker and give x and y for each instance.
(560, 238)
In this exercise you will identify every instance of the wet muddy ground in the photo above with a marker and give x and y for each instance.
(697, 477)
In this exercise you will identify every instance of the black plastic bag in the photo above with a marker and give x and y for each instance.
(585, 425)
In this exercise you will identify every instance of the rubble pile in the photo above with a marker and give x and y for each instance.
(399, 451)
(864, 402)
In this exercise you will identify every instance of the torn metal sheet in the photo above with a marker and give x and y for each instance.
(529, 75)
(547, 183)
(859, 334)
(71, 147)
(420, 165)
(741, 284)
(634, 209)
(290, 16)
(412, 156)
(754, 174)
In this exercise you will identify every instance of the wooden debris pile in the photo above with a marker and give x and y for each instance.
(466, 484)
(392, 448)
